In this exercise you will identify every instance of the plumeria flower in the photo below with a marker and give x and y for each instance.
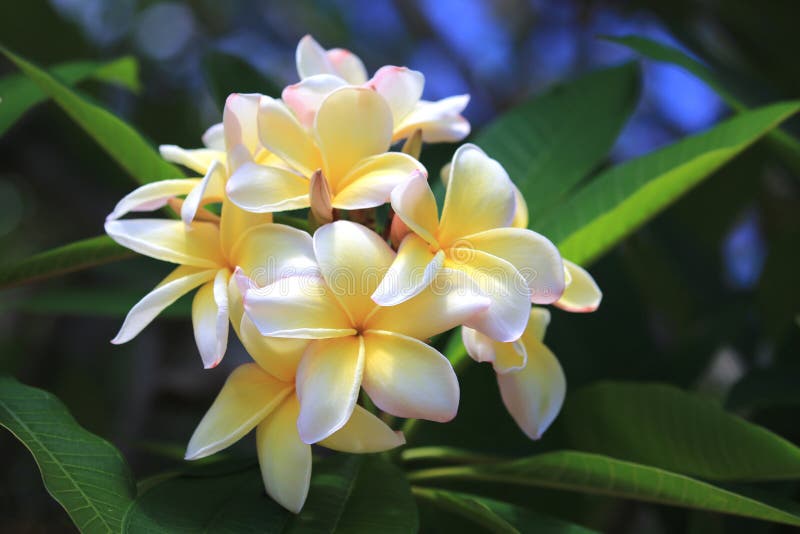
(352, 342)
(512, 266)
(531, 381)
(348, 144)
(207, 248)
(322, 71)
(253, 398)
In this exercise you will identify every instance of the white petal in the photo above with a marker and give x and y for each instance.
(582, 294)
(210, 319)
(240, 118)
(413, 269)
(504, 357)
(347, 65)
(152, 196)
(197, 245)
(371, 182)
(440, 121)
(262, 189)
(281, 132)
(305, 98)
(210, 189)
(311, 58)
(214, 137)
(198, 159)
(363, 433)
(401, 87)
(415, 205)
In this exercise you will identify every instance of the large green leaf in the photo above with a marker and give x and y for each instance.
(495, 516)
(62, 260)
(124, 144)
(663, 426)
(83, 472)
(550, 143)
(597, 474)
(623, 198)
(18, 93)
(785, 143)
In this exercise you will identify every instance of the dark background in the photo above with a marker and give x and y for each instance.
(704, 297)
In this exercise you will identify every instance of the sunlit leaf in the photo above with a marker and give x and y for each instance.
(83, 472)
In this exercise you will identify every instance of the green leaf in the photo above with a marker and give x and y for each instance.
(124, 144)
(623, 198)
(496, 516)
(662, 426)
(19, 94)
(601, 475)
(550, 143)
(83, 472)
(62, 260)
(783, 142)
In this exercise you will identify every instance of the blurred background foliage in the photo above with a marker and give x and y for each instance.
(704, 297)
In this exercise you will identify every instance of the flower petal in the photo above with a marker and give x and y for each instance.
(240, 120)
(247, 397)
(283, 135)
(415, 205)
(347, 65)
(198, 159)
(262, 189)
(210, 319)
(534, 395)
(363, 433)
(269, 252)
(210, 189)
(352, 124)
(413, 269)
(408, 378)
(537, 324)
(440, 121)
(370, 183)
(214, 137)
(450, 300)
(534, 256)
(297, 307)
(235, 222)
(328, 382)
(196, 245)
(284, 459)
(582, 294)
(504, 357)
(152, 196)
(305, 97)
(179, 282)
(401, 87)
(311, 58)
(507, 290)
(480, 196)
(520, 210)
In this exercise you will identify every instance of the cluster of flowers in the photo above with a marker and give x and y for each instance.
(323, 316)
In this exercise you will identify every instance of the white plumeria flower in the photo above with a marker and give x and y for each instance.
(322, 71)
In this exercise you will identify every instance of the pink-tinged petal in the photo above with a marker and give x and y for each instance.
(450, 300)
(363, 433)
(408, 378)
(240, 119)
(179, 282)
(401, 87)
(198, 159)
(440, 121)
(398, 231)
(370, 183)
(248, 396)
(214, 137)
(504, 357)
(311, 59)
(196, 245)
(305, 97)
(210, 319)
(413, 269)
(152, 196)
(284, 459)
(281, 132)
(328, 382)
(414, 203)
(352, 124)
(270, 252)
(297, 307)
(210, 189)
(347, 65)
(533, 255)
(480, 196)
(582, 295)
(353, 259)
(534, 395)
(262, 189)
(507, 290)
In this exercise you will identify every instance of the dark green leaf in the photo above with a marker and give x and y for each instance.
(550, 143)
(124, 144)
(618, 201)
(83, 472)
(228, 74)
(62, 260)
(596, 474)
(662, 426)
